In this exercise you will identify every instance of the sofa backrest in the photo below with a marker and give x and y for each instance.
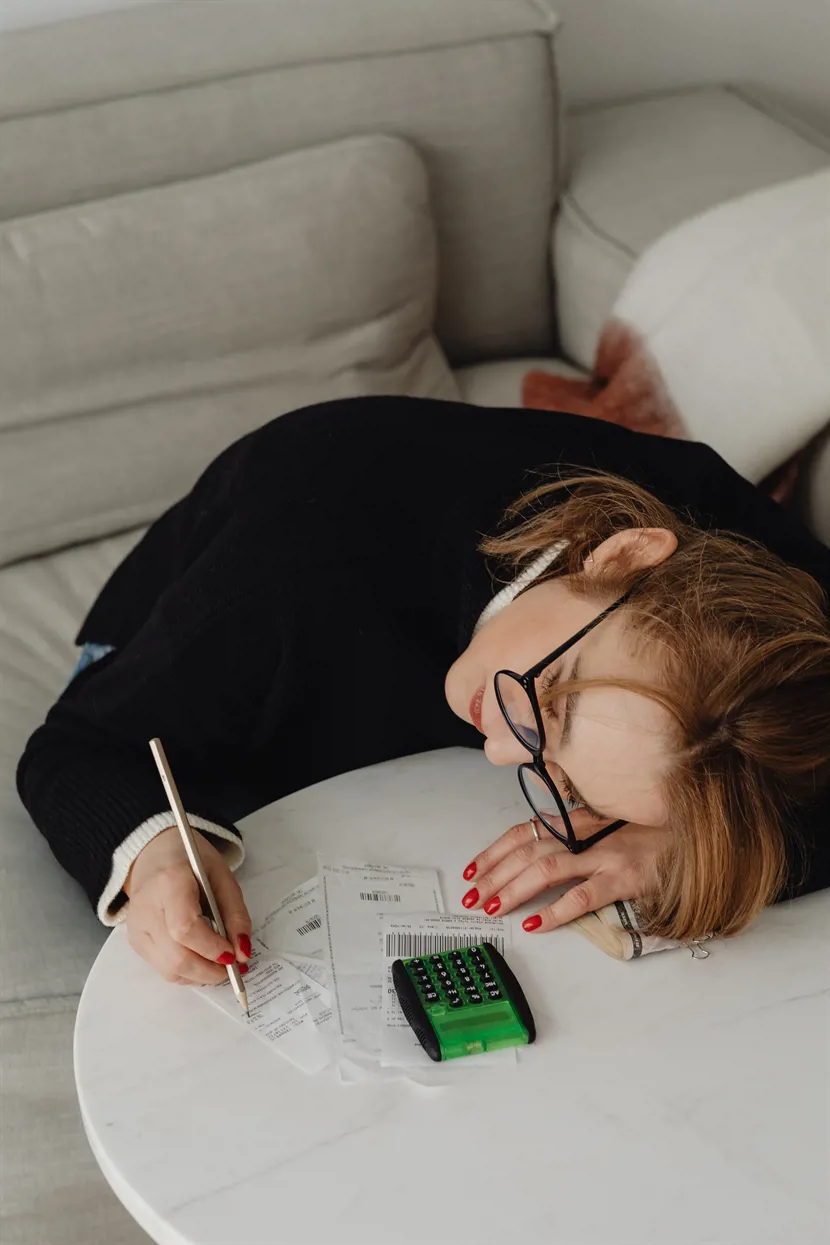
(114, 102)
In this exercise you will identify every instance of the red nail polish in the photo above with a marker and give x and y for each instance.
(492, 906)
(470, 872)
(470, 898)
(245, 945)
(532, 923)
(227, 957)
(243, 968)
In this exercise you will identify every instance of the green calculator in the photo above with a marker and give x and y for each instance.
(463, 1002)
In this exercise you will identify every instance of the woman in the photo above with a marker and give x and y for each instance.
(322, 601)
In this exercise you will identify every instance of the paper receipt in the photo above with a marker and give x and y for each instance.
(353, 896)
(288, 1010)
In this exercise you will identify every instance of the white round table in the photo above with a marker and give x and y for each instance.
(666, 1100)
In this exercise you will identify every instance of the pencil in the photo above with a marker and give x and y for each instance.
(191, 847)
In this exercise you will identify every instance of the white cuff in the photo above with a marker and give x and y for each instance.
(126, 852)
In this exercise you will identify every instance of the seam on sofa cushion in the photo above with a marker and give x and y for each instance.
(781, 117)
(45, 1005)
(755, 100)
(569, 205)
(241, 74)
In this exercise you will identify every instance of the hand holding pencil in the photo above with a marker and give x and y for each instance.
(165, 920)
(201, 874)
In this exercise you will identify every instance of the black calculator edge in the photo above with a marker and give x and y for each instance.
(515, 991)
(415, 1012)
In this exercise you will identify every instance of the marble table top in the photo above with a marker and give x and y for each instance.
(667, 1100)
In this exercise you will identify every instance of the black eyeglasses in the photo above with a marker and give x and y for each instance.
(516, 694)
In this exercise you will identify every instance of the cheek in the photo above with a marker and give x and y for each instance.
(620, 770)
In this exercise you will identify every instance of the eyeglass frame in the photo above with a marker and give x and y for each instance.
(527, 682)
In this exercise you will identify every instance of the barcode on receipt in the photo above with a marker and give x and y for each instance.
(408, 945)
(380, 897)
(314, 923)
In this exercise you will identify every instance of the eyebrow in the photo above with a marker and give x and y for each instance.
(570, 705)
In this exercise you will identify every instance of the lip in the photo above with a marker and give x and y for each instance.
(475, 709)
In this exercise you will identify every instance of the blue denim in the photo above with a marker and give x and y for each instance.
(89, 654)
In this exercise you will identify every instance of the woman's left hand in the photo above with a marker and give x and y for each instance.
(516, 868)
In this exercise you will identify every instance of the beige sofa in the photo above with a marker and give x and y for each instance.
(211, 214)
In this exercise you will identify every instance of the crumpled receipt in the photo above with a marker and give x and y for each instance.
(287, 983)
(288, 1009)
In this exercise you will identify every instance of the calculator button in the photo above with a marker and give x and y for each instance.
(431, 996)
(416, 964)
(495, 993)
(451, 994)
(442, 974)
(436, 960)
(474, 996)
(487, 981)
(456, 1002)
(466, 978)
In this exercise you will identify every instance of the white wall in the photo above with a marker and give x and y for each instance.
(611, 48)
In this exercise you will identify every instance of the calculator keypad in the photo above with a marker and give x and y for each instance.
(455, 979)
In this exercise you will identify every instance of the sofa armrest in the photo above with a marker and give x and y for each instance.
(636, 169)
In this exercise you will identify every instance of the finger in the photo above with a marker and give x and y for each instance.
(186, 968)
(183, 919)
(149, 936)
(517, 836)
(587, 897)
(234, 912)
(528, 872)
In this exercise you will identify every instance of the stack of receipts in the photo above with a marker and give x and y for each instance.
(320, 980)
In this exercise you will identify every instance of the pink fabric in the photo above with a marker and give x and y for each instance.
(626, 388)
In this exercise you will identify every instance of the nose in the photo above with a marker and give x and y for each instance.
(501, 746)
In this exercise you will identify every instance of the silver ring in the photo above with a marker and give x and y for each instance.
(537, 836)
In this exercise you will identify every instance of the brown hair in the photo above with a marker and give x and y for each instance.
(746, 678)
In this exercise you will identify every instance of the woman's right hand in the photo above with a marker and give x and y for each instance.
(164, 920)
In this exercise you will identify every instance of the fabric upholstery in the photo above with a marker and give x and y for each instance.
(500, 383)
(141, 335)
(53, 1191)
(120, 101)
(636, 169)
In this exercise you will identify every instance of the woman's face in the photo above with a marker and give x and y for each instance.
(616, 749)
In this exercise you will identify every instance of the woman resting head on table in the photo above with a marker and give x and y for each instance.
(657, 665)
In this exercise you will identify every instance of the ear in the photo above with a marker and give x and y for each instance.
(634, 547)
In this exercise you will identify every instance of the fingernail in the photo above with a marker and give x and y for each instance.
(227, 957)
(243, 968)
(532, 923)
(470, 898)
(245, 945)
(470, 872)
(492, 906)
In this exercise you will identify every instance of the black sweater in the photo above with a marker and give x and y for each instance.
(295, 615)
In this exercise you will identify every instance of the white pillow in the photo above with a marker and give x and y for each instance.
(140, 335)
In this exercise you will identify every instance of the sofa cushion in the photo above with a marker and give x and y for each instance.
(499, 383)
(637, 169)
(48, 933)
(140, 335)
(53, 1190)
(118, 101)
